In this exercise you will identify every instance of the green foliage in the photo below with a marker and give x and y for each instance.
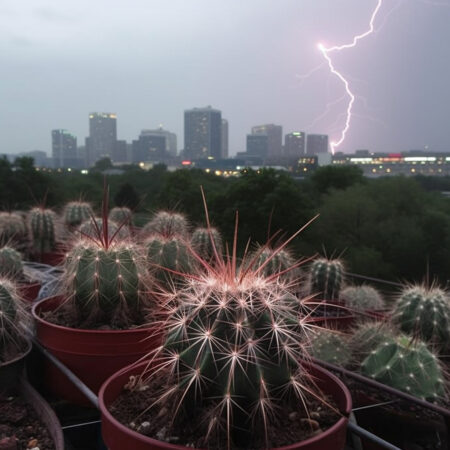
(325, 278)
(43, 226)
(336, 177)
(424, 313)
(202, 240)
(408, 366)
(330, 347)
(167, 224)
(362, 298)
(11, 264)
(127, 197)
(75, 213)
(121, 215)
(107, 284)
(12, 229)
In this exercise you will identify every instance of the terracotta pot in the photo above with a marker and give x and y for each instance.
(30, 291)
(45, 413)
(119, 437)
(92, 355)
(11, 371)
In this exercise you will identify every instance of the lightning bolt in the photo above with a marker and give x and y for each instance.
(337, 48)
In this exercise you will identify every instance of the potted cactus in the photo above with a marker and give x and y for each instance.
(75, 213)
(167, 224)
(121, 214)
(13, 231)
(204, 241)
(364, 300)
(232, 362)
(95, 324)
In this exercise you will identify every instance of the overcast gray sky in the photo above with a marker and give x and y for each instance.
(149, 60)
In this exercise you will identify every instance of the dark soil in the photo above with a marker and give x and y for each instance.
(14, 347)
(19, 422)
(189, 430)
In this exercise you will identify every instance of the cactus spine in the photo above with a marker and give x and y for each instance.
(167, 224)
(424, 313)
(11, 264)
(76, 213)
(275, 262)
(42, 224)
(202, 242)
(12, 229)
(362, 298)
(407, 366)
(92, 227)
(326, 277)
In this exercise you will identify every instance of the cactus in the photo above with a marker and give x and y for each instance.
(330, 347)
(167, 224)
(424, 313)
(326, 277)
(11, 264)
(10, 316)
(94, 226)
(362, 298)
(75, 213)
(43, 227)
(171, 253)
(12, 229)
(408, 366)
(367, 336)
(233, 350)
(121, 215)
(202, 244)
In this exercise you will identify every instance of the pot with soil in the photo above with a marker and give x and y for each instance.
(96, 326)
(231, 372)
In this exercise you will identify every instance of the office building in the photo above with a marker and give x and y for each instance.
(274, 135)
(202, 133)
(224, 139)
(149, 147)
(102, 139)
(316, 143)
(257, 145)
(170, 139)
(64, 149)
(294, 144)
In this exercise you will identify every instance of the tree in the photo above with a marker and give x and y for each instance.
(127, 196)
(336, 177)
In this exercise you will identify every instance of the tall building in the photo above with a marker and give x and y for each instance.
(224, 139)
(102, 138)
(170, 139)
(316, 143)
(64, 149)
(149, 147)
(274, 138)
(257, 145)
(294, 144)
(202, 133)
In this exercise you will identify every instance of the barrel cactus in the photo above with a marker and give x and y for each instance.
(362, 298)
(121, 215)
(331, 347)
(205, 240)
(408, 366)
(233, 351)
(326, 277)
(276, 262)
(424, 313)
(167, 224)
(11, 264)
(43, 228)
(75, 213)
(168, 258)
(13, 230)
(92, 227)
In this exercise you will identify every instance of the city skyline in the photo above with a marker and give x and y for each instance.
(152, 60)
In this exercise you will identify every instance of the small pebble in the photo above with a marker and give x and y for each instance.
(144, 426)
(132, 425)
(314, 415)
(293, 416)
(162, 412)
(313, 424)
(32, 443)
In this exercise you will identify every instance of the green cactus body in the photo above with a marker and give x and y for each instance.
(121, 215)
(106, 285)
(275, 262)
(407, 366)
(326, 277)
(424, 313)
(331, 347)
(11, 264)
(42, 224)
(362, 298)
(89, 228)
(167, 224)
(235, 345)
(9, 336)
(12, 228)
(367, 336)
(75, 213)
(202, 245)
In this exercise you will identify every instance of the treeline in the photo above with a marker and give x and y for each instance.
(395, 228)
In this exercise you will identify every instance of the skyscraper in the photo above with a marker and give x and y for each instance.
(294, 144)
(64, 149)
(257, 145)
(170, 139)
(202, 133)
(316, 143)
(102, 138)
(224, 138)
(274, 138)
